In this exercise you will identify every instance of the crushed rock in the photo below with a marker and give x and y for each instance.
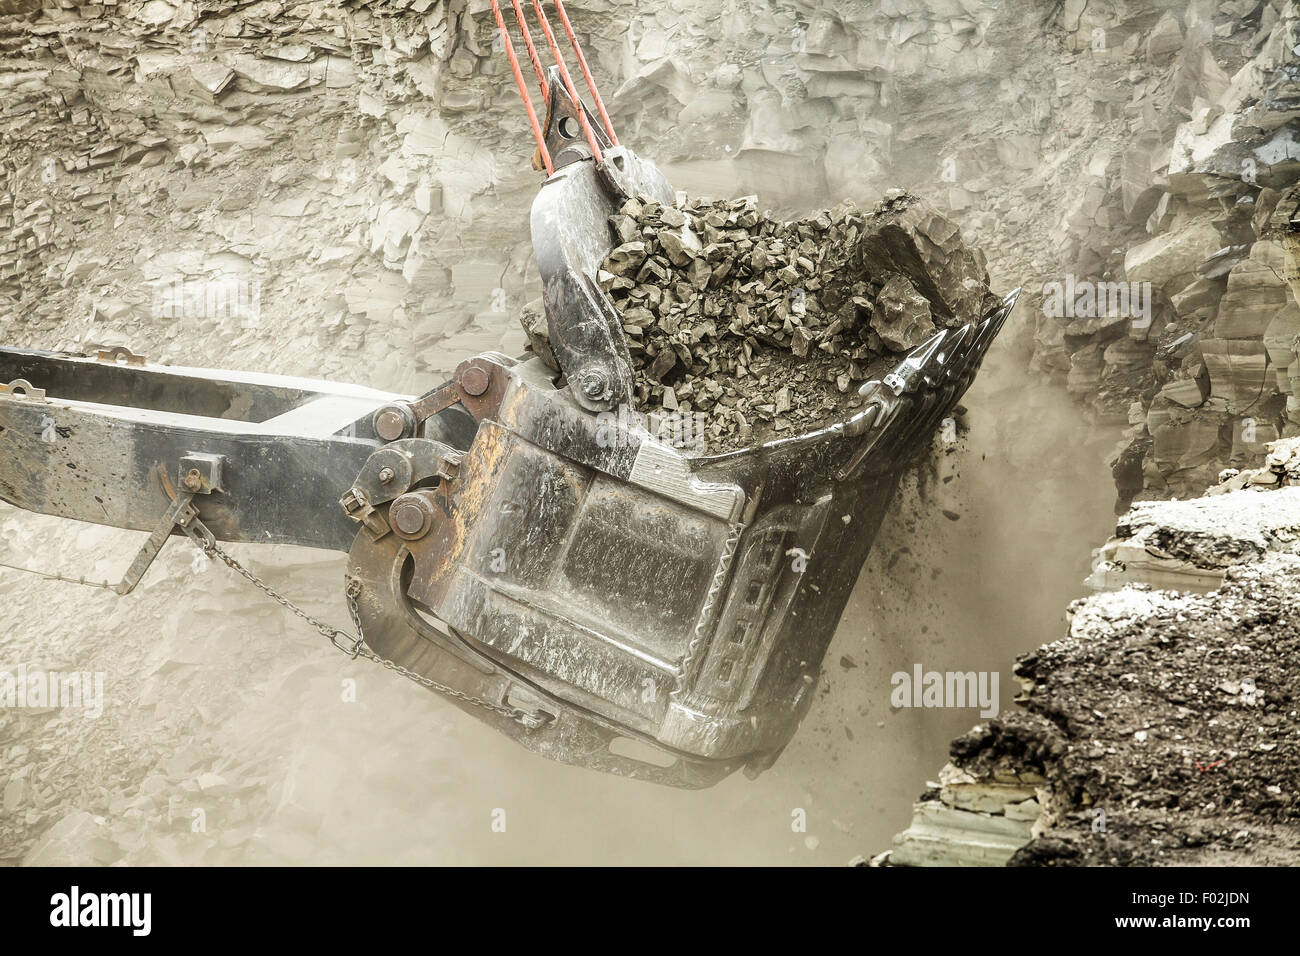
(767, 326)
(750, 320)
(1161, 729)
(1178, 723)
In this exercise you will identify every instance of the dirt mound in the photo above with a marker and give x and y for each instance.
(1164, 725)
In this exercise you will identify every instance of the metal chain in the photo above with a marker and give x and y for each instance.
(332, 634)
(355, 647)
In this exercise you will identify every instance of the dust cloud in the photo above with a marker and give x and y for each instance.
(401, 777)
(221, 709)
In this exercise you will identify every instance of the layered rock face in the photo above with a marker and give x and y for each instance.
(289, 188)
(1173, 314)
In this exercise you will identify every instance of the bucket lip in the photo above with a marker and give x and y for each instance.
(834, 430)
(840, 428)
(845, 427)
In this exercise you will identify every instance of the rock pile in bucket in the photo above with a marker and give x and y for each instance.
(765, 328)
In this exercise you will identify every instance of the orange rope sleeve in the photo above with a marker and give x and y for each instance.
(532, 51)
(523, 89)
(586, 71)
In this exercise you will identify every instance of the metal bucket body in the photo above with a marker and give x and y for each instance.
(625, 591)
(602, 597)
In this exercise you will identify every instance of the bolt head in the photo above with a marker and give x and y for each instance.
(475, 380)
(593, 384)
(391, 423)
(386, 475)
(409, 516)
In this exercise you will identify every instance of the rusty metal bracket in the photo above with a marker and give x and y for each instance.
(179, 514)
(358, 507)
(478, 385)
(202, 474)
(23, 390)
(120, 355)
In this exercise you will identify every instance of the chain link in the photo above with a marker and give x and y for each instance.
(332, 634)
(355, 647)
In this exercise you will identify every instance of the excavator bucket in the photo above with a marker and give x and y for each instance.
(591, 591)
(514, 541)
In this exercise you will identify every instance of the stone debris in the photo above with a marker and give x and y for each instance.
(1189, 544)
(768, 327)
(968, 821)
(738, 316)
(903, 318)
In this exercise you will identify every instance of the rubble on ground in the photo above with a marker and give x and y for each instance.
(1161, 730)
(1188, 544)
